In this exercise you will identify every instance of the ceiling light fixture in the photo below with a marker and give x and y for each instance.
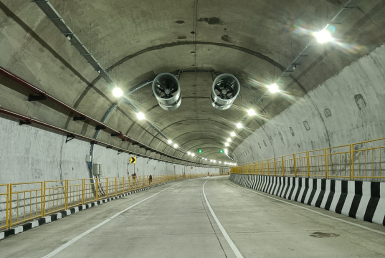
(323, 36)
(117, 92)
(169, 141)
(251, 112)
(140, 116)
(232, 133)
(229, 139)
(175, 145)
(273, 88)
(239, 125)
(227, 144)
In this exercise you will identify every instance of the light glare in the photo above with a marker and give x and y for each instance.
(229, 139)
(140, 116)
(117, 92)
(169, 141)
(232, 133)
(323, 36)
(251, 112)
(175, 145)
(239, 125)
(273, 88)
(227, 144)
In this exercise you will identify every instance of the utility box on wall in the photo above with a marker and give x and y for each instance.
(88, 158)
(97, 169)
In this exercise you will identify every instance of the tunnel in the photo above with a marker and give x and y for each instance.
(192, 128)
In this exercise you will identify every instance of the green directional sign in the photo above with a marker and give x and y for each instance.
(220, 151)
(200, 151)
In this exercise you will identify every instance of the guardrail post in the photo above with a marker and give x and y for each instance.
(308, 165)
(7, 211)
(107, 186)
(66, 194)
(129, 183)
(83, 189)
(295, 167)
(262, 167)
(96, 180)
(43, 198)
(283, 167)
(326, 165)
(123, 185)
(275, 168)
(351, 153)
(268, 167)
(10, 206)
(116, 186)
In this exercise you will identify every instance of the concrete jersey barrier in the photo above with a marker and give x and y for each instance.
(356, 199)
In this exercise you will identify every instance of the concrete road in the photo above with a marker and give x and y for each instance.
(177, 222)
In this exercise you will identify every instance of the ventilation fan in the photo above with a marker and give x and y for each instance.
(166, 89)
(225, 89)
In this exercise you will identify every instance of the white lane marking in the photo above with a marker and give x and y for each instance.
(319, 213)
(224, 233)
(73, 240)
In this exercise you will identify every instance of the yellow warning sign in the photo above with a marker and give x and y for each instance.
(133, 160)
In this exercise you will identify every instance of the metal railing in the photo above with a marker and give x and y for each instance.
(362, 160)
(21, 202)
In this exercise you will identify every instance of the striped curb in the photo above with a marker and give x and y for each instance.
(356, 199)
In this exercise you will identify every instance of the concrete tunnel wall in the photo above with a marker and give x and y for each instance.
(33, 154)
(347, 108)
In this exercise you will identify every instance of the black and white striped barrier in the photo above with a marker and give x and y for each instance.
(356, 199)
(62, 214)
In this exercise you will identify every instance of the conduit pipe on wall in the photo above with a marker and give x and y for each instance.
(29, 120)
(35, 89)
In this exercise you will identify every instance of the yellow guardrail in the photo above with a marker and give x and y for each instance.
(27, 201)
(4, 204)
(362, 160)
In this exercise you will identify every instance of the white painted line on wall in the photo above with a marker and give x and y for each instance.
(224, 233)
(319, 213)
(73, 240)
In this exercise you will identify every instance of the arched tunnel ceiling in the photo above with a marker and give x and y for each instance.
(135, 40)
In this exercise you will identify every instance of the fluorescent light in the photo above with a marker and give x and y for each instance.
(188, 153)
(251, 112)
(239, 125)
(227, 144)
(140, 116)
(232, 133)
(229, 139)
(193, 154)
(175, 145)
(117, 92)
(169, 141)
(323, 36)
(273, 88)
